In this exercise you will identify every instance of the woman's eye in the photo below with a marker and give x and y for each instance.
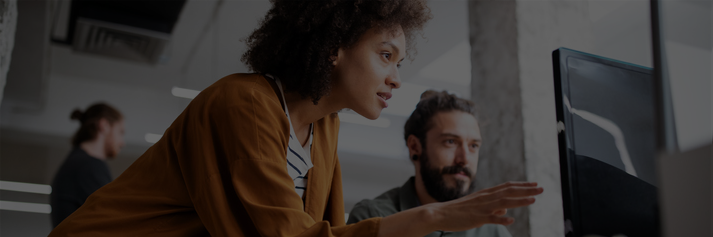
(387, 55)
(474, 145)
(398, 65)
(450, 141)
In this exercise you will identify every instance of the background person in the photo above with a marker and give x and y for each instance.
(100, 137)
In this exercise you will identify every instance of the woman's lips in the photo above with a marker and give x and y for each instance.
(383, 96)
(383, 102)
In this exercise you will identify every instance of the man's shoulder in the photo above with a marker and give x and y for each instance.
(82, 163)
(388, 199)
(383, 205)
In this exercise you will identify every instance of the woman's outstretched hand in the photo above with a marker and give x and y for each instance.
(487, 206)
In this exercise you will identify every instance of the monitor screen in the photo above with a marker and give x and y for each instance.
(605, 113)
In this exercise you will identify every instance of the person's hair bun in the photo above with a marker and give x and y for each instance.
(77, 115)
(428, 93)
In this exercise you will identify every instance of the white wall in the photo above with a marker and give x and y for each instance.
(687, 38)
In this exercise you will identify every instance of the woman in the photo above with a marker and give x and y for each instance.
(256, 154)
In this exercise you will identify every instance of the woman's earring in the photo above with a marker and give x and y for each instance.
(414, 157)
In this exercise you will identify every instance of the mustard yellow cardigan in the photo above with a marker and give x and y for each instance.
(220, 170)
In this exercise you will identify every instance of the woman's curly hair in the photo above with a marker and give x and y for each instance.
(296, 39)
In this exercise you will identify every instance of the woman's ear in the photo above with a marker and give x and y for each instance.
(414, 147)
(335, 56)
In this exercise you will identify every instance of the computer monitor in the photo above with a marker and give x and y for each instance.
(607, 145)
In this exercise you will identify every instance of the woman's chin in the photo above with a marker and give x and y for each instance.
(371, 115)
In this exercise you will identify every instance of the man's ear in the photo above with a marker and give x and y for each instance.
(414, 147)
(103, 126)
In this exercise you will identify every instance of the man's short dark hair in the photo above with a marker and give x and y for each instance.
(296, 39)
(433, 102)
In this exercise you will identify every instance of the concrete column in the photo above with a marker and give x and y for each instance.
(495, 88)
(544, 26)
(8, 21)
(512, 82)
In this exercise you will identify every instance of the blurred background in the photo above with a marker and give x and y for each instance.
(497, 53)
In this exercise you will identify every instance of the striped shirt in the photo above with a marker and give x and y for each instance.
(299, 160)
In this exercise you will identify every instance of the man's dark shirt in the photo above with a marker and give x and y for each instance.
(78, 177)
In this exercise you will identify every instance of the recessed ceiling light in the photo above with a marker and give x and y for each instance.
(152, 137)
(26, 207)
(25, 187)
(184, 93)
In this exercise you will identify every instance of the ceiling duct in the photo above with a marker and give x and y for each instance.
(120, 41)
(134, 30)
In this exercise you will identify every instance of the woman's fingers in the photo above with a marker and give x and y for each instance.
(500, 212)
(507, 185)
(507, 203)
(490, 205)
(509, 192)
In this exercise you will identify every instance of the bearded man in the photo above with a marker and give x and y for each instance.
(443, 138)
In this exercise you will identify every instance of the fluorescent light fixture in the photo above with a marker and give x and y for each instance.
(25, 207)
(358, 119)
(25, 187)
(152, 137)
(184, 93)
(404, 99)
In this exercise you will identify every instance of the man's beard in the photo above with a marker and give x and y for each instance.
(110, 152)
(436, 185)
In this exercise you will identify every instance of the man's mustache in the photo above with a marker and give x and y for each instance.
(456, 169)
